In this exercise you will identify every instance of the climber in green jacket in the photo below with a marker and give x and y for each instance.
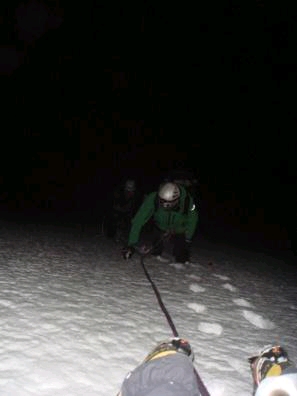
(174, 215)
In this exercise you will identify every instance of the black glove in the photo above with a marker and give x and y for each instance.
(127, 252)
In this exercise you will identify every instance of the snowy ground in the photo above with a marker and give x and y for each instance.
(75, 318)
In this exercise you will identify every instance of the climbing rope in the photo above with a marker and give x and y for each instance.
(157, 293)
(202, 388)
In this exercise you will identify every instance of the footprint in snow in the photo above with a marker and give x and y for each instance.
(198, 308)
(229, 287)
(258, 320)
(210, 328)
(196, 288)
(222, 277)
(177, 266)
(242, 302)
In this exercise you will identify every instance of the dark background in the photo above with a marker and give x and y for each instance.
(103, 91)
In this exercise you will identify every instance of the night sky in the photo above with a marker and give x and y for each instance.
(93, 93)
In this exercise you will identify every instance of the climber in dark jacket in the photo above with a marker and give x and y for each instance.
(125, 202)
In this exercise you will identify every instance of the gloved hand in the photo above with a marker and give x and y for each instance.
(127, 252)
(143, 249)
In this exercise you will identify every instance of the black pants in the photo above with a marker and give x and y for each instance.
(180, 251)
(116, 222)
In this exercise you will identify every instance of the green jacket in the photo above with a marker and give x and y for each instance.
(174, 220)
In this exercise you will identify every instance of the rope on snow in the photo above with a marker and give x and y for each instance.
(202, 388)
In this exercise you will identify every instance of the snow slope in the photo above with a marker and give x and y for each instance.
(75, 317)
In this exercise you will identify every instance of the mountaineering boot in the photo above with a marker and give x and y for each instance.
(271, 361)
(171, 346)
